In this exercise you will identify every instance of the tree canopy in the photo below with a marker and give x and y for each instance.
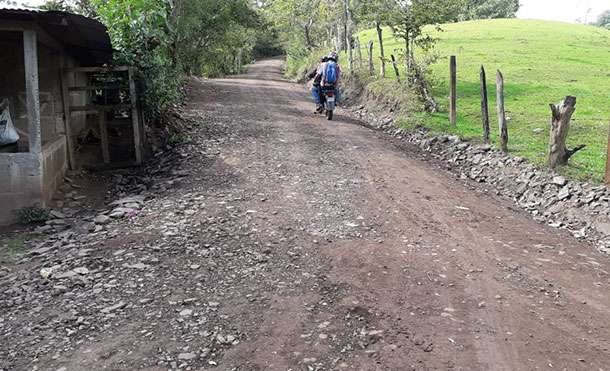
(488, 9)
(604, 19)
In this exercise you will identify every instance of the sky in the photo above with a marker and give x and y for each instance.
(582, 11)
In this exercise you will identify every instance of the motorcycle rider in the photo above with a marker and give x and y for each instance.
(316, 89)
(332, 62)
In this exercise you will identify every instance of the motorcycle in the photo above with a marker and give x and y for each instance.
(328, 101)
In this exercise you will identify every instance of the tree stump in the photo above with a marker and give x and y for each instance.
(560, 126)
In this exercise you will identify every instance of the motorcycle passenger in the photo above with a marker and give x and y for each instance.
(316, 90)
(330, 74)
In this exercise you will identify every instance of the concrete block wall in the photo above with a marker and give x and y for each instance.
(54, 167)
(20, 184)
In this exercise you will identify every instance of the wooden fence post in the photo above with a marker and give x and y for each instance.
(608, 160)
(359, 52)
(484, 105)
(395, 67)
(453, 92)
(370, 52)
(501, 114)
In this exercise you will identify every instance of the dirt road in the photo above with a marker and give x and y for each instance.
(295, 243)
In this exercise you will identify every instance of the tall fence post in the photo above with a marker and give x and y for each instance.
(484, 105)
(370, 52)
(395, 67)
(608, 159)
(501, 114)
(453, 92)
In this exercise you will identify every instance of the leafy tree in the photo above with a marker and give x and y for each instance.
(377, 12)
(488, 9)
(407, 21)
(214, 37)
(62, 5)
(296, 22)
(167, 39)
(141, 33)
(604, 19)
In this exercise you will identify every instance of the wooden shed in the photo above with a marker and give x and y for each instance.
(69, 110)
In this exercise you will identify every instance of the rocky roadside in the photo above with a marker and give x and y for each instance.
(581, 208)
(91, 273)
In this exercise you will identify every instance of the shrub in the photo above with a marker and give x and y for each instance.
(33, 214)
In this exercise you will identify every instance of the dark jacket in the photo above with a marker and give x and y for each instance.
(313, 74)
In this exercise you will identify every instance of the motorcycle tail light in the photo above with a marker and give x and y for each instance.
(330, 94)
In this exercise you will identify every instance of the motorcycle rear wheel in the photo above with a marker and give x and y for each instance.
(329, 115)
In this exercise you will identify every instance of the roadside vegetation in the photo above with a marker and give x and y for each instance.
(16, 246)
(542, 62)
(167, 40)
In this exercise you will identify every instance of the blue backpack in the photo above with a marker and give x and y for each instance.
(330, 73)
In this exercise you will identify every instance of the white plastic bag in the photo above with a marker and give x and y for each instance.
(8, 134)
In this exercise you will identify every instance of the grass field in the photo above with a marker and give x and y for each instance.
(542, 62)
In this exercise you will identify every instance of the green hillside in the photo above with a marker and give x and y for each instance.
(542, 62)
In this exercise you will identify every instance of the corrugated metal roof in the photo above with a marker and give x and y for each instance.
(86, 38)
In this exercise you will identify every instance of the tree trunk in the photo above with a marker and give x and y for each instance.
(560, 126)
(348, 34)
(424, 90)
(380, 37)
(308, 35)
(501, 115)
(239, 60)
(359, 52)
(338, 41)
(339, 37)
(407, 59)
(370, 52)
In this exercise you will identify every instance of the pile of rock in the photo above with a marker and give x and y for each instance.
(581, 208)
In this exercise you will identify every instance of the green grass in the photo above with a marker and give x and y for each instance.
(542, 62)
(16, 245)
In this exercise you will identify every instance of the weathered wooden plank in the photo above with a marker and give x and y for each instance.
(104, 137)
(98, 69)
(137, 134)
(100, 107)
(65, 97)
(98, 87)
